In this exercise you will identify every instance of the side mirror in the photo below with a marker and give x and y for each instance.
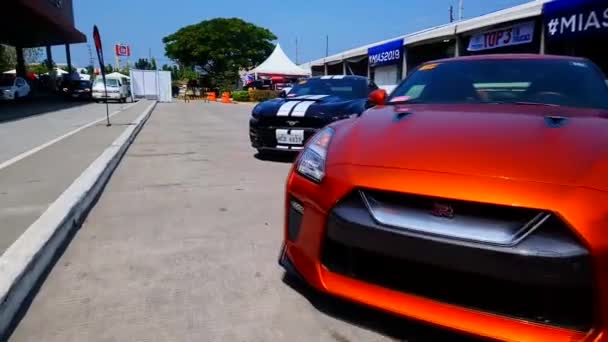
(283, 94)
(377, 97)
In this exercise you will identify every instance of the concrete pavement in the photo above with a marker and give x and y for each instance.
(32, 124)
(30, 185)
(182, 246)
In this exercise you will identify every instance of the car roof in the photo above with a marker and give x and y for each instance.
(508, 56)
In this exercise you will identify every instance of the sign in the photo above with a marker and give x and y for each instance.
(507, 36)
(99, 49)
(122, 50)
(386, 54)
(575, 18)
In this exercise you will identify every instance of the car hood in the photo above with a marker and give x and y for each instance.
(5, 88)
(520, 142)
(318, 105)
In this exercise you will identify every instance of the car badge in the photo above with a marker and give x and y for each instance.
(292, 123)
(442, 210)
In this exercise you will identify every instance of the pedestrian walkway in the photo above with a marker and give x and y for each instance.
(30, 185)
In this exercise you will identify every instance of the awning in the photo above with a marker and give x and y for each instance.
(38, 23)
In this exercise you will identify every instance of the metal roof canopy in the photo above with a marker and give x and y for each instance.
(33, 23)
(527, 10)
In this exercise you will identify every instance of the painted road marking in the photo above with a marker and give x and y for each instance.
(39, 148)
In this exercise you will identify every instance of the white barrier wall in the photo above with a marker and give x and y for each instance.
(151, 84)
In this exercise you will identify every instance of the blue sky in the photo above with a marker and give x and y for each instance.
(143, 23)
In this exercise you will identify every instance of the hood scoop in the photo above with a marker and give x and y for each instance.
(553, 121)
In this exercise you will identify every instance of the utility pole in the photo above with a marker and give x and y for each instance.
(296, 50)
(451, 13)
(91, 61)
(460, 9)
(326, 45)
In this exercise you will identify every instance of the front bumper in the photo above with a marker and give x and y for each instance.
(102, 95)
(263, 137)
(321, 228)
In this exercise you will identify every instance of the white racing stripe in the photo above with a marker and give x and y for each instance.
(302, 97)
(338, 77)
(317, 97)
(286, 108)
(326, 77)
(301, 108)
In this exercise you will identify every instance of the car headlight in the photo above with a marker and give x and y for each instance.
(311, 163)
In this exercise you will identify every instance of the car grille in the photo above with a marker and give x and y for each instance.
(545, 278)
(287, 121)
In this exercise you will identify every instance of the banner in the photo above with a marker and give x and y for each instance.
(575, 18)
(99, 49)
(122, 50)
(507, 36)
(386, 54)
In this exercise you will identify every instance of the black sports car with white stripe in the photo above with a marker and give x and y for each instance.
(286, 123)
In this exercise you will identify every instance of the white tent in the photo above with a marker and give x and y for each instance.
(13, 72)
(58, 72)
(117, 75)
(279, 64)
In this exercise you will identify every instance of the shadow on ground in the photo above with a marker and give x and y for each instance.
(277, 157)
(388, 325)
(38, 104)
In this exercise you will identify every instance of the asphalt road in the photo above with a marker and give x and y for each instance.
(25, 125)
(183, 246)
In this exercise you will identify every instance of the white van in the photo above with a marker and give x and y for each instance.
(117, 90)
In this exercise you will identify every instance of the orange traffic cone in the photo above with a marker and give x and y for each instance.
(211, 96)
(225, 97)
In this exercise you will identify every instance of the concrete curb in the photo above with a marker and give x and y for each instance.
(28, 258)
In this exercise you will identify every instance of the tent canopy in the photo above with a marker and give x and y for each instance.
(279, 64)
(117, 75)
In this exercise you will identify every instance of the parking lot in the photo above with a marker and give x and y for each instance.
(182, 246)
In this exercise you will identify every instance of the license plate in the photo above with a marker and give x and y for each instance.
(290, 137)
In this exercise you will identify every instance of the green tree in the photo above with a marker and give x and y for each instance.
(109, 69)
(220, 48)
(8, 58)
(38, 69)
(145, 64)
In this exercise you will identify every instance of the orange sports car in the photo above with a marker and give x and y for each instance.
(473, 198)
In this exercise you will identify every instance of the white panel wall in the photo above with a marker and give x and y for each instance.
(151, 84)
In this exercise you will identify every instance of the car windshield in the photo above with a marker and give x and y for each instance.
(7, 82)
(110, 82)
(517, 81)
(347, 88)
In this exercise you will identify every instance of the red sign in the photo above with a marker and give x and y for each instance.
(122, 50)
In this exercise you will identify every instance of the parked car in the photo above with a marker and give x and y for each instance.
(116, 90)
(78, 89)
(474, 198)
(285, 124)
(13, 88)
